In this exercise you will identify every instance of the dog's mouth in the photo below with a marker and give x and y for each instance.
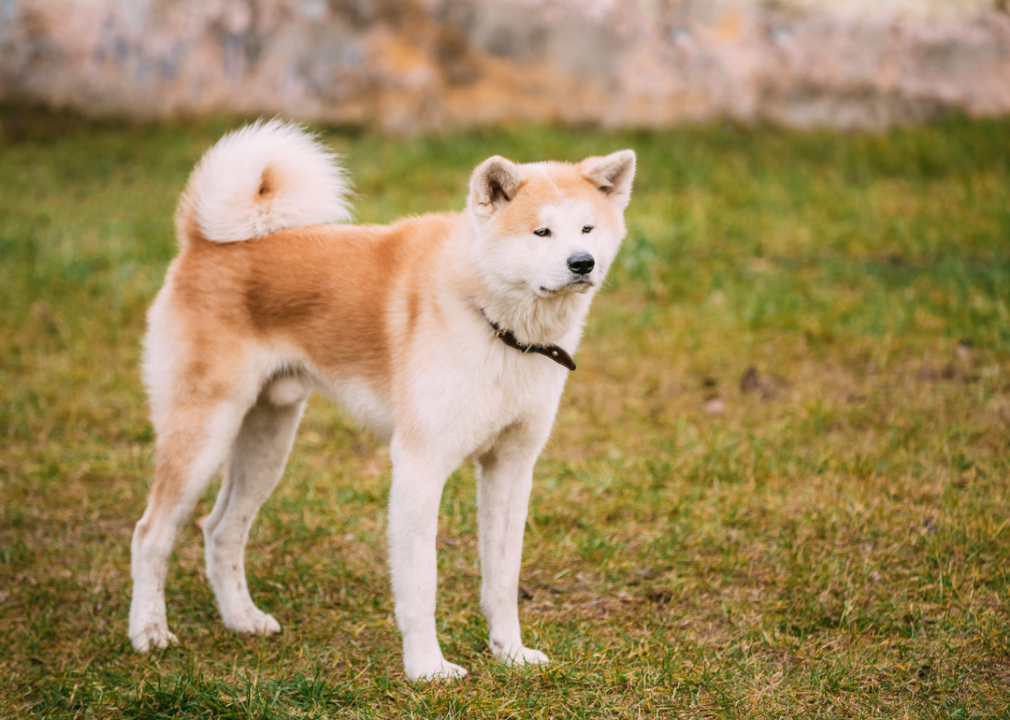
(579, 285)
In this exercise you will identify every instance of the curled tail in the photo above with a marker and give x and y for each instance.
(265, 177)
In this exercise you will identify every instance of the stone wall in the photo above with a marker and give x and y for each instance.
(408, 65)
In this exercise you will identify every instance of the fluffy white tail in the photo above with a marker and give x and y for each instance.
(268, 176)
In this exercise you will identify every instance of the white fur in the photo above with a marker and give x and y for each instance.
(257, 460)
(358, 401)
(467, 393)
(224, 187)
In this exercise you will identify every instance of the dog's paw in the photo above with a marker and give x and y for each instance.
(440, 669)
(151, 637)
(524, 656)
(252, 621)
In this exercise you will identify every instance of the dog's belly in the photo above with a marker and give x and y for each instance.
(361, 402)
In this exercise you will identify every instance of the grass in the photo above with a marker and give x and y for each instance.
(777, 485)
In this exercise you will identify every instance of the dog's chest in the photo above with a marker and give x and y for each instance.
(469, 406)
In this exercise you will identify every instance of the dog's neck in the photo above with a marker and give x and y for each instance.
(553, 352)
(534, 320)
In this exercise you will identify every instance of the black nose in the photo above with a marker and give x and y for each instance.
(581, 264)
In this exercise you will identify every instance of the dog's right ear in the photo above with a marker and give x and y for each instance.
(493, 185)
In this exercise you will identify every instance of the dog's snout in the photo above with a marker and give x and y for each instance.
(581, 264)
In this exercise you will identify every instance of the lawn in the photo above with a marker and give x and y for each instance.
(777, 485)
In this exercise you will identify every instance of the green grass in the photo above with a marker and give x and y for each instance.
(830, 540)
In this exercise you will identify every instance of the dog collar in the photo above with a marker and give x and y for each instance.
(553, 352)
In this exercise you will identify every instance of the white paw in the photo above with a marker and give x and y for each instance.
(253, 621)
(440, 669)
(153, 636)
(522, 656)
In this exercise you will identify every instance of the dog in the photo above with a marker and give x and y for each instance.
(448, 334)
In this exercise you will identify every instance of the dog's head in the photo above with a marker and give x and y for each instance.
(549, 230)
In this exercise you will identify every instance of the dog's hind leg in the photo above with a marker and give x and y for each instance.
(505, 478)
(192, 443)
(256, 463)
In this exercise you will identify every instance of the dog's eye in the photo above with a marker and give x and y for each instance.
(542, 232)
(587, 229)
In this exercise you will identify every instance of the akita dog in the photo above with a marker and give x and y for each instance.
(448, 334)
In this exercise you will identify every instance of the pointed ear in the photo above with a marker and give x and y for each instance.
(612, 175)
(493, 185)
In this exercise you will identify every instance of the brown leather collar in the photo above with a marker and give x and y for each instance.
(551, 351)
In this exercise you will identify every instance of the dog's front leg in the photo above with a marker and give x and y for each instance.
(413, 525)
(503, 492)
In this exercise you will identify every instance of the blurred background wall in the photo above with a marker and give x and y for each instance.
(409, 65)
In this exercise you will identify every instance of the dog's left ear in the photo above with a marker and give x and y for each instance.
(612, 175)
(493, 185)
